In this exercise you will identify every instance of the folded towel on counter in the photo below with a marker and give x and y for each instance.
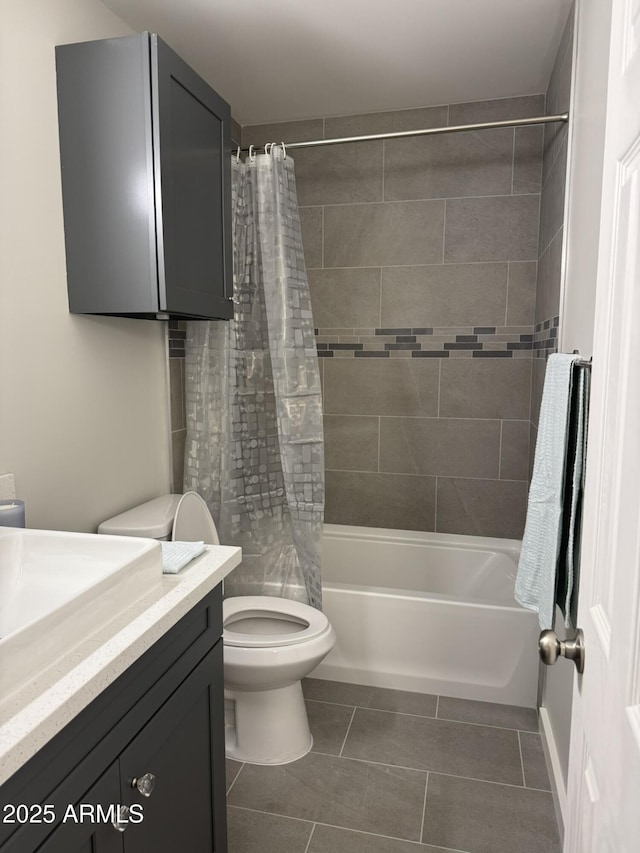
(552, 501)
(176, 555)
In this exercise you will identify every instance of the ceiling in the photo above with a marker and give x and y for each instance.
(281, 60)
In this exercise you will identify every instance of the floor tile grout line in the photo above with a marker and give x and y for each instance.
(235, 779)
(423, 770)
(426, 717)
(346, 828)
(313, 829)
(424, 807)
(524, 781)
(347, 732)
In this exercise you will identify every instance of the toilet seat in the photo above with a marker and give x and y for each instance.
(309, 623)
(192, 521)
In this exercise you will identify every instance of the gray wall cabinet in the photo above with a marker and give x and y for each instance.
(164, 716)
(146, 182)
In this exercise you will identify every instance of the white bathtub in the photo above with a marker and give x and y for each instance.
(428, 612)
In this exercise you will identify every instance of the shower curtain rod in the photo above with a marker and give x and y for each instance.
(429, 131)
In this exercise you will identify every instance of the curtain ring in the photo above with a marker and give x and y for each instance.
(268, 147)
(284, 151)
(238, 155)
(252, 156)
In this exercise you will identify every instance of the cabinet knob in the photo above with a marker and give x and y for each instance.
(121, 820)
(145, 784)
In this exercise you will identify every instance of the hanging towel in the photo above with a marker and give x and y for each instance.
(536, 579)
(176, 555)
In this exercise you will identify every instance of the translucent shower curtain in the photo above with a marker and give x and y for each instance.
(254, 447)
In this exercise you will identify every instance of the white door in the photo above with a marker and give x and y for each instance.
(604, 765)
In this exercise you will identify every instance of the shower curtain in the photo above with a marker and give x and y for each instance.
(254, 447)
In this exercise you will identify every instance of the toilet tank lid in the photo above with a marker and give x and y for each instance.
(153, 519)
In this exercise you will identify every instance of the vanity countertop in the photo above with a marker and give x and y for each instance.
(31, 716)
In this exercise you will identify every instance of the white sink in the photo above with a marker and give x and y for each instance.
(56, 588)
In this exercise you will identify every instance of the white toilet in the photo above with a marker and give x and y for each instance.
(270, 644)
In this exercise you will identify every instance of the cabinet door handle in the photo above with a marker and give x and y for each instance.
(121, 820)
(145, 784)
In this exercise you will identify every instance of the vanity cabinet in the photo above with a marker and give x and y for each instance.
(152, 743)
(146, 182)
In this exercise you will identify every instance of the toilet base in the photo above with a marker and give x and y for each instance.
(267, 726)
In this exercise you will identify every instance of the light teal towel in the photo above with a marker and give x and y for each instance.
(176, 555)
(536, 578)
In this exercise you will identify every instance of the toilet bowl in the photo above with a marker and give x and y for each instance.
(270, 643)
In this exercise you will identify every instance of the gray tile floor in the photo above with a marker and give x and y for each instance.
(396, 772)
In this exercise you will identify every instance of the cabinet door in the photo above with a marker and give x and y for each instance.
(180, 752)
(192, 149)
(91, 834)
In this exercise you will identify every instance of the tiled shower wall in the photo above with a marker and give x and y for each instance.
(422, 259)
(554, 168)
(177, 337)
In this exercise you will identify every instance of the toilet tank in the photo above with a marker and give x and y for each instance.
(153, 519)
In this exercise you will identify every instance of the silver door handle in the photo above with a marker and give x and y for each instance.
(551, 648)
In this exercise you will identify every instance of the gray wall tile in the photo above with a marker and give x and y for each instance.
(460, 164)
(514, 450)
(527, 159)
(341, 174)
(549, 280)
(381, 387)
(407, 232)
(537, 384)
(345, 298)
(311, 226)
(521, 301)
(444, 295)
(487, 278)
(351, 443)
(533, 435)
(504, 228)
(564, 51)
(499, 109)
(397, 501)
(482, 507)
(176, 388)
(440, 446)
(393, 121)
(552, 198)
(178, 439)
(475, 388)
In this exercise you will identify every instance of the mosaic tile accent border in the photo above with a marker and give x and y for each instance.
(545, 337)
(177, 337)
(428, 342)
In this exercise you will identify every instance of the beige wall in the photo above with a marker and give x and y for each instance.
(83, 400)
